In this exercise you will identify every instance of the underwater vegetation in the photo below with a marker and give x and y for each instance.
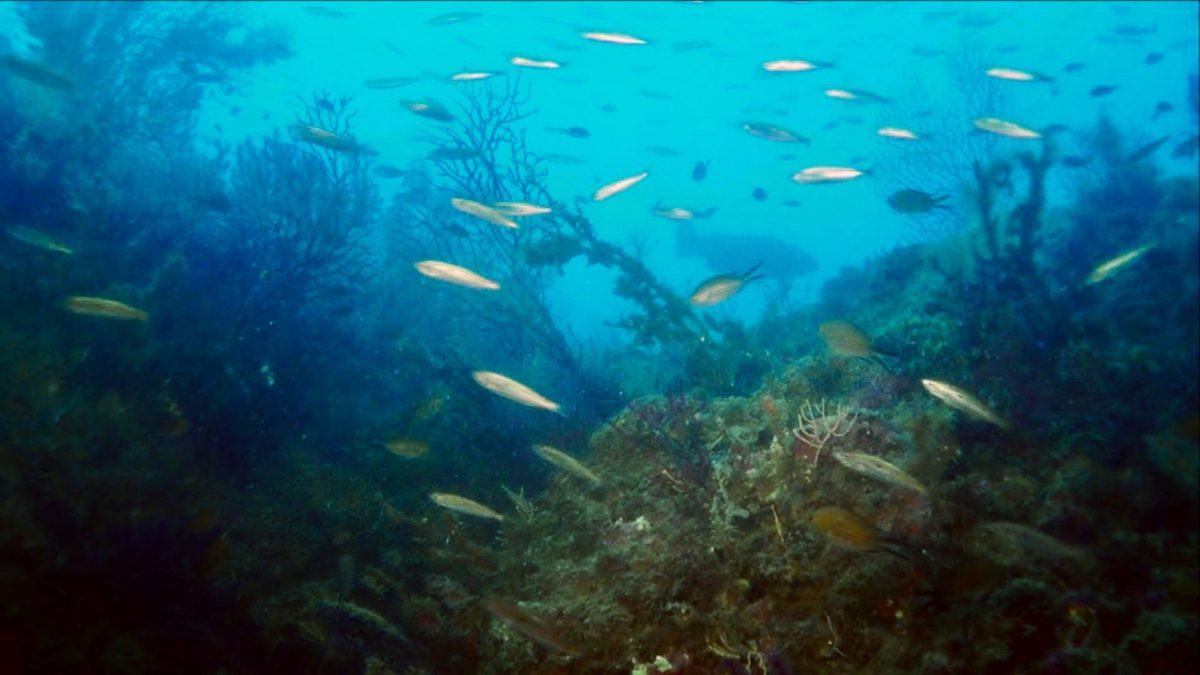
(260, 414)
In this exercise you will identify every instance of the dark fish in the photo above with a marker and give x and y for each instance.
(791, 203)
(37, 73)
(1152, 58)
(832, 124)
(915, 201)
(608, 107)
(1054, 129)
(977, 20)
(388, 171)
(324, 138)
(1076, 162)
(1187, 148)
(325, 12)
(452, 17)
(389, 82)
(700, 171)
(442, 153)
(1074, 67)
(1146, 150)
(431, 109)
(1008, 49)
(689, 45)
(1161, 109)
(458, 231)
(706, 213)
(392, 47)
(573, 132)
(662, 151)
(787, 156)
(759, 194)
(1103, 90)
(1129, 30)
(233, 112)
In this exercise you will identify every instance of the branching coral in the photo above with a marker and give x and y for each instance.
(816, 425)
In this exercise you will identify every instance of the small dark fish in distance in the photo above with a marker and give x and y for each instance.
(1076, 162)
(791, 203)
(663, 151)
(608, 107)
(573, 132)
(1146, 150)
(1152, 58)
(1187, 148)
(325, 12)
(388, 171)
(915, 201)
(1103, 90)
(37, 73)
(1074, 67)
(1129, 30)
(558, 158)
(452, 17)
(1161, 109)
(759, 194)
(431, 109)
(389, 82)
(700, 171)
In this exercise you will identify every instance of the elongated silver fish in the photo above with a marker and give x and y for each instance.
(463, 505)
(444, 271)
(1110, 267)
(481, 211)
(514, 391)
(619, 186)
(879, 469)
(565, 462)
(960, 400)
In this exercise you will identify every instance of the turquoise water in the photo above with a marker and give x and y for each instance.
(941, 416)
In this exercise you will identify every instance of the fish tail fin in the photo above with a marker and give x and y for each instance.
(749, 275)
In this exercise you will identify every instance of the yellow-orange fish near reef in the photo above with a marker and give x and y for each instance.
(481, 211)
(514, 391)
(614, 38)
(960, 400)
(618, 186)
(109, 309)
(463, 505)
(444, 271)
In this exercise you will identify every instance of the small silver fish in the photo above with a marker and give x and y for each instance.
(718, 289)
(514, 391)
(879, 469)
(960, 400)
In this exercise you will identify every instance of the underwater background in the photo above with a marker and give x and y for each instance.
(599, 337)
